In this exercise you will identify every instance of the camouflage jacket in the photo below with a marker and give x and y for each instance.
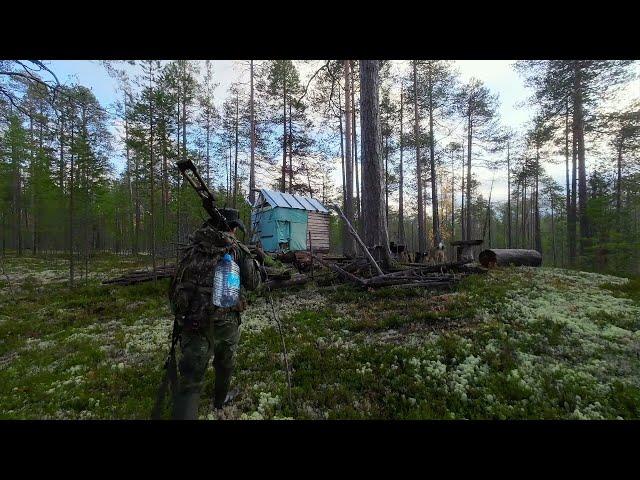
(191, 287)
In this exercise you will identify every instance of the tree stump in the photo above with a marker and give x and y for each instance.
(465, 249)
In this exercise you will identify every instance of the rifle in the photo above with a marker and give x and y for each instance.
(190, 173)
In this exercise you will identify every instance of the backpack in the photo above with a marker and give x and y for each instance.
(190, 289)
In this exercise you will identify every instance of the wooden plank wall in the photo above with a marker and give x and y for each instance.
(318, 225)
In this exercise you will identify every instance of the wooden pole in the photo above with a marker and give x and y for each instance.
(358, 239)
(311, 250)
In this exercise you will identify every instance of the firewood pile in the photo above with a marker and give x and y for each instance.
(139, 276)
(360, 271)
(300, 259)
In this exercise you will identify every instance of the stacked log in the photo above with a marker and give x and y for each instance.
(139, 276)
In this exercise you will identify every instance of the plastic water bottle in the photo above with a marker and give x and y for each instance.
(226, 282)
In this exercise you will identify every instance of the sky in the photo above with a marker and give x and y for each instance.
(498, 75)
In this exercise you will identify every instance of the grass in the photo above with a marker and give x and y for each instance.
(630, 290)
(516, 343)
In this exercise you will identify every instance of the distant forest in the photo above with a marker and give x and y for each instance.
(60, 190)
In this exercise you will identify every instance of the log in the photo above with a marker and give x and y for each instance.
(339, 271)
(419, 284)
(140, 276)
(503, 257)
(299, 279)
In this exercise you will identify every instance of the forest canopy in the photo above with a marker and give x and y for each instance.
(79, 176)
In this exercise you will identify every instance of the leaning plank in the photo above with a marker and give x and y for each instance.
(510, 256)
(358, 239)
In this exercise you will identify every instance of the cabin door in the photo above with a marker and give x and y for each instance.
(284, 233)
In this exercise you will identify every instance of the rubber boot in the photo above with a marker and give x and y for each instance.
(185, 406)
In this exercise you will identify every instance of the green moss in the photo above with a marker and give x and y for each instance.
(630, 289)
(387, 353)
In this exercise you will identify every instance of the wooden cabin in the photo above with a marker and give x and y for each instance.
(284, 222)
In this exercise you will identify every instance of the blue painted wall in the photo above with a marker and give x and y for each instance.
(281, 225)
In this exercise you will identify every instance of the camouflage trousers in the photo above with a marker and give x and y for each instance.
(218, 340)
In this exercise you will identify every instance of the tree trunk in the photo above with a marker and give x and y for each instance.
(283, 184)
(401, 239)
(538, 236)
(32, 168)
(355, 146)
(151, 172)
(578, 119)
(619, 182)
(130, 197)
(517, 194)
(469, 141)
(235, 162)
(422, 236)
(375, 226)
(462, 207)
(349, 246)
(508, 196)
(526, 220)
(165, 184)
(61, 166)
(505, 257)
(553, 232)
(229, 168)
(179, 180)
(61, 174)
(453, 198)
(342, 140)
(84, 178)
(290, 144)
(573, 234)
(434, 189)
(208, 141)
(566, 163)
(252, 167)
(71, 206)
(386, 179)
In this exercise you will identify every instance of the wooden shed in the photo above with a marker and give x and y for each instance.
(284, 222)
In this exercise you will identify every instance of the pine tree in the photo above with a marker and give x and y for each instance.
(478, 106)
(375, 225)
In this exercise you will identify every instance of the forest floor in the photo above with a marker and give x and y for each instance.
(511, 344)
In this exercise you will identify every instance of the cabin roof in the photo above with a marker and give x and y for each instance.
(287, 200)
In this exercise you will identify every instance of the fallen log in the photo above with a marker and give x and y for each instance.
(277, 273)
(299, 279)
(340, 271)
(415, 282)
(140, 276)
(503, 257)
(443, 269)
(419, 284)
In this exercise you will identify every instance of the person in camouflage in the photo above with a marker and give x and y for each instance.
(207, 330)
